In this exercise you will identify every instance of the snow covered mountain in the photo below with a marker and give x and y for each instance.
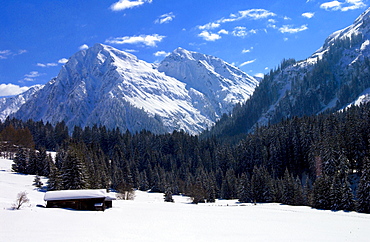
(106, 86)
(223, 84)
(9, 105)
(335, 76)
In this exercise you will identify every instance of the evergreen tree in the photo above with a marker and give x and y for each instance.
(74, 171)
(20, 161)
(261, 185)
(244, 194)
(321, 193)
(55, 178)
(168, 195)
(32, 166)
(363, 190)
(37, 182)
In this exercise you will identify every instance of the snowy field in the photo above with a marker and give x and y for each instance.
(149, 218)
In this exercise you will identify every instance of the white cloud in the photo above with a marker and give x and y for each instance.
(63, 61)
(5, 54)
(11, 89)
(242, 31)
(30, 77)
(60, 61)
(343, 6)
(247, 50)
(161, 53)
(208, 36)
(253, 14)
(308, 15)
(83, 47)
(289, 29)
(46, 65)
(209, 26)
(165, 18)
(223, 31)
(256, 14)
(148, 40)
(126, 4)
(247, 63)
(20, 52)
(33, 74)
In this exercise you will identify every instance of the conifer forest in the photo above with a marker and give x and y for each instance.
(321, 161)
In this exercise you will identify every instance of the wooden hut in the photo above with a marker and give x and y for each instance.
(79, 199)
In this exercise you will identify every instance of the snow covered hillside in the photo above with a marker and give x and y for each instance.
(149, 218)
(106, 86)
(335, 76)
(223, 84)
(9, 105)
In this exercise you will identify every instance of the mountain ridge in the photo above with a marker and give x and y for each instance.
(105, 86)
(329, 80)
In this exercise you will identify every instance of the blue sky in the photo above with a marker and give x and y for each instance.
(38, 36)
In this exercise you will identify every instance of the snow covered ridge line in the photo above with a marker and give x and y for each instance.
(104, 86)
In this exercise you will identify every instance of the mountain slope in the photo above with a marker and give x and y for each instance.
(105, 86)
(223, 84)
(9, 105)
(329, 80)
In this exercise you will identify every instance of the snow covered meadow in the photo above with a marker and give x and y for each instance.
(149, 218)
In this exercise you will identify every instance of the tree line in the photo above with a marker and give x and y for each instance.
(320, 161)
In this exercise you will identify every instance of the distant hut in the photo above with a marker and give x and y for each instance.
(97, 200)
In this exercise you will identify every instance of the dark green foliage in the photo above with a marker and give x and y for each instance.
(300, 161)
(261, 185)
(21, 161)
(55, 178)
(363, 191)
(37, 182)
(74, 172)
(321, 193)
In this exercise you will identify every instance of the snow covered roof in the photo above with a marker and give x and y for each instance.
(77, 194)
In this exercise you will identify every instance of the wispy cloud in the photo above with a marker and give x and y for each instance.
(343, 6)
(11, 89)
(209, 26)
(223, 31)
(209, 36)
(47, 64)
(247, 50)
(240, 31)
(253, 14)
(247, 63)
(161, 53)
(5, 54)
(308, 15)
(289, 29)
(126, 4)
(60, 61)
(165, 18)
(30, 77)
(148, 40)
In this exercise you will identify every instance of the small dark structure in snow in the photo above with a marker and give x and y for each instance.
(97, 200)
